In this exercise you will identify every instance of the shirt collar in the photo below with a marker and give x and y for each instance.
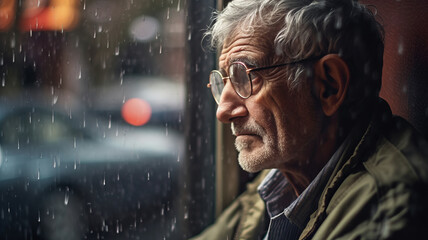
(280, 198)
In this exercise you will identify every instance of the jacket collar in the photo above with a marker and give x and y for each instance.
(364, 136)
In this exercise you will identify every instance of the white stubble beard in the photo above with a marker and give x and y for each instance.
(250, 158)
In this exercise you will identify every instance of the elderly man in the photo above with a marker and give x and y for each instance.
(299, 83)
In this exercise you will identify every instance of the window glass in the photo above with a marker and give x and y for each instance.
(106, 126)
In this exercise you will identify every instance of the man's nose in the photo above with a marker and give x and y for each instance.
(231, 105)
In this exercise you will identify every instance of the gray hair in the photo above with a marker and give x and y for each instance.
(312, 28)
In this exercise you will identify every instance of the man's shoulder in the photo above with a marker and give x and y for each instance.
(242, 219)
(396, 178)
(385, 196)
(401, 156)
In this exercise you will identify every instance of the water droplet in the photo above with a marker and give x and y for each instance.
(109, 121)
(84, 119)
(178, 6)
(400, 48)
(74, 143)
(12, 42)
(173, 224)
(167, 14)
(54, 101)
(38, 216)
(66, 196)
(338, 24)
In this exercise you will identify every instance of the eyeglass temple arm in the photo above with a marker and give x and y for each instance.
(282, 64)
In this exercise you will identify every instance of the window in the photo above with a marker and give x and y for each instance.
(106, 126)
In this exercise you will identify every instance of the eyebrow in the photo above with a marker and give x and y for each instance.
(250, 62)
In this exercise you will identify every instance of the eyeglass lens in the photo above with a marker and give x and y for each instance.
(217, 84)
(238, 77)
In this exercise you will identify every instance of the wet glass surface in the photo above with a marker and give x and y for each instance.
(99, 126)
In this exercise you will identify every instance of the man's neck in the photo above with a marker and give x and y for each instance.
(301, 176)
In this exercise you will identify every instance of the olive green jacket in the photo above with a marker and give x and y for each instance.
(243, 219)
(378, 190)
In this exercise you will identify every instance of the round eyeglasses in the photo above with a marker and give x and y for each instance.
(240, 78)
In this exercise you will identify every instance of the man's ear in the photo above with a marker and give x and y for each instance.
(331, 82)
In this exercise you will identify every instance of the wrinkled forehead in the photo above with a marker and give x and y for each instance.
(252, 43)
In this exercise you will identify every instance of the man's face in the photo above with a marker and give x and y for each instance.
(275, 127)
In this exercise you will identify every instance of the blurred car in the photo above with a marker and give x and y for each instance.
(77, 174)
(165, 97)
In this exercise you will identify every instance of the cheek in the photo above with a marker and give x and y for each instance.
(260, 111)
(293, 117)
(268, 112)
